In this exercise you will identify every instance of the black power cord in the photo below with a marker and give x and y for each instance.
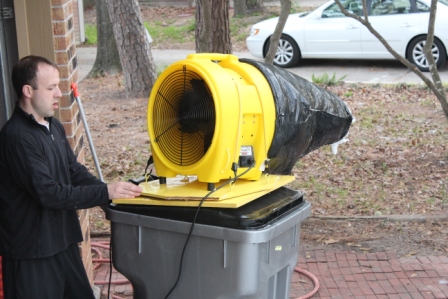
(196, 215)
(146, 176)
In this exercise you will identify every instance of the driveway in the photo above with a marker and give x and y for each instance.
(356, 71)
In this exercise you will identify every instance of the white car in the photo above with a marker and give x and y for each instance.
(327, 33)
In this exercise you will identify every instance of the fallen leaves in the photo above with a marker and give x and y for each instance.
(331, 241)
(395, 162)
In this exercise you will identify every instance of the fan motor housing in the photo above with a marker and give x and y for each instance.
(207, 113)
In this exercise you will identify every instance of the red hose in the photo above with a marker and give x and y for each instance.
(106, 245)
(117, 281)
(100, 259)
(102, 245)
(313, 278)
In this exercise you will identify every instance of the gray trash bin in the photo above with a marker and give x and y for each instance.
(249, 252)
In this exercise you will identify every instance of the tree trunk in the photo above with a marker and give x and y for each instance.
(203, 25)
(134, 47)
(275, 37)
(213, 27)
(107, 58)
(220, 35)
(254, 6)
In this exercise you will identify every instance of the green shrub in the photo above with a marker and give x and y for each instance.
(326, 80)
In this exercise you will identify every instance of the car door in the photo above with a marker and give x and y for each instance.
(397, 22)
(332, 35)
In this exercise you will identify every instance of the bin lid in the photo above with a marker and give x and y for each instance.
(253, 215)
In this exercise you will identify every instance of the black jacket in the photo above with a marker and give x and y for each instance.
(41, 187)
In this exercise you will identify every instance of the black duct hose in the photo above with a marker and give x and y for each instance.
(307, 117)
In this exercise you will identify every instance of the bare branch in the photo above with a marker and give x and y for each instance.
(436, 86)
(428, 53)
(275, 37)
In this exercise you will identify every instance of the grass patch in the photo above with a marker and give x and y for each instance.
(325, 79)
(158, 31)
(172, 33)
(91, 34)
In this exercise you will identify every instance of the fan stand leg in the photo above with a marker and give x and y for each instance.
(210, 186)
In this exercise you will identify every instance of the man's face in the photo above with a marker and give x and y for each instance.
(44, 99)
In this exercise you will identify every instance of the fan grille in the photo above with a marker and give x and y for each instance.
(183, 117)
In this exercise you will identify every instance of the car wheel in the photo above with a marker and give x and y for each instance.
(288, 53)
(416, 55)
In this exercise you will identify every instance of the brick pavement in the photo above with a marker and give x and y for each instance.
(120, 286)
(346, 275)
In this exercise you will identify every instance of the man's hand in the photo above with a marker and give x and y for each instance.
(123, 190)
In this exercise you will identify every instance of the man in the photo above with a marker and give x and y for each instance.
(41, 187)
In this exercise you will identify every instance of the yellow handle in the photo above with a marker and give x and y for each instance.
(213, 56)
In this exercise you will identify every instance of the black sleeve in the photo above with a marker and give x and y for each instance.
(48, 177)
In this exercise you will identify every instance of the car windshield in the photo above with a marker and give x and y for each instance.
(377, 8)
(333, 11)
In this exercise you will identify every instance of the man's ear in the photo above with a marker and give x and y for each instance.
(27, 90)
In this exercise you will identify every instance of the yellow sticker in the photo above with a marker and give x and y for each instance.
(278, 248)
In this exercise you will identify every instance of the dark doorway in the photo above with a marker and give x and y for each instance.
(8, 56)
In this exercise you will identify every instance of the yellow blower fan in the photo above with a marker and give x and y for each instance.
(211, 116)
(214, 117)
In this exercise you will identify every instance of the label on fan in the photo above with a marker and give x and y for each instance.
(246, 156)
(246, 150)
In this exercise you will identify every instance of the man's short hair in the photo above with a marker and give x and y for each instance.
(24, 72)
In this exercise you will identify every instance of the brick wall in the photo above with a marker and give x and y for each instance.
(62, 12)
